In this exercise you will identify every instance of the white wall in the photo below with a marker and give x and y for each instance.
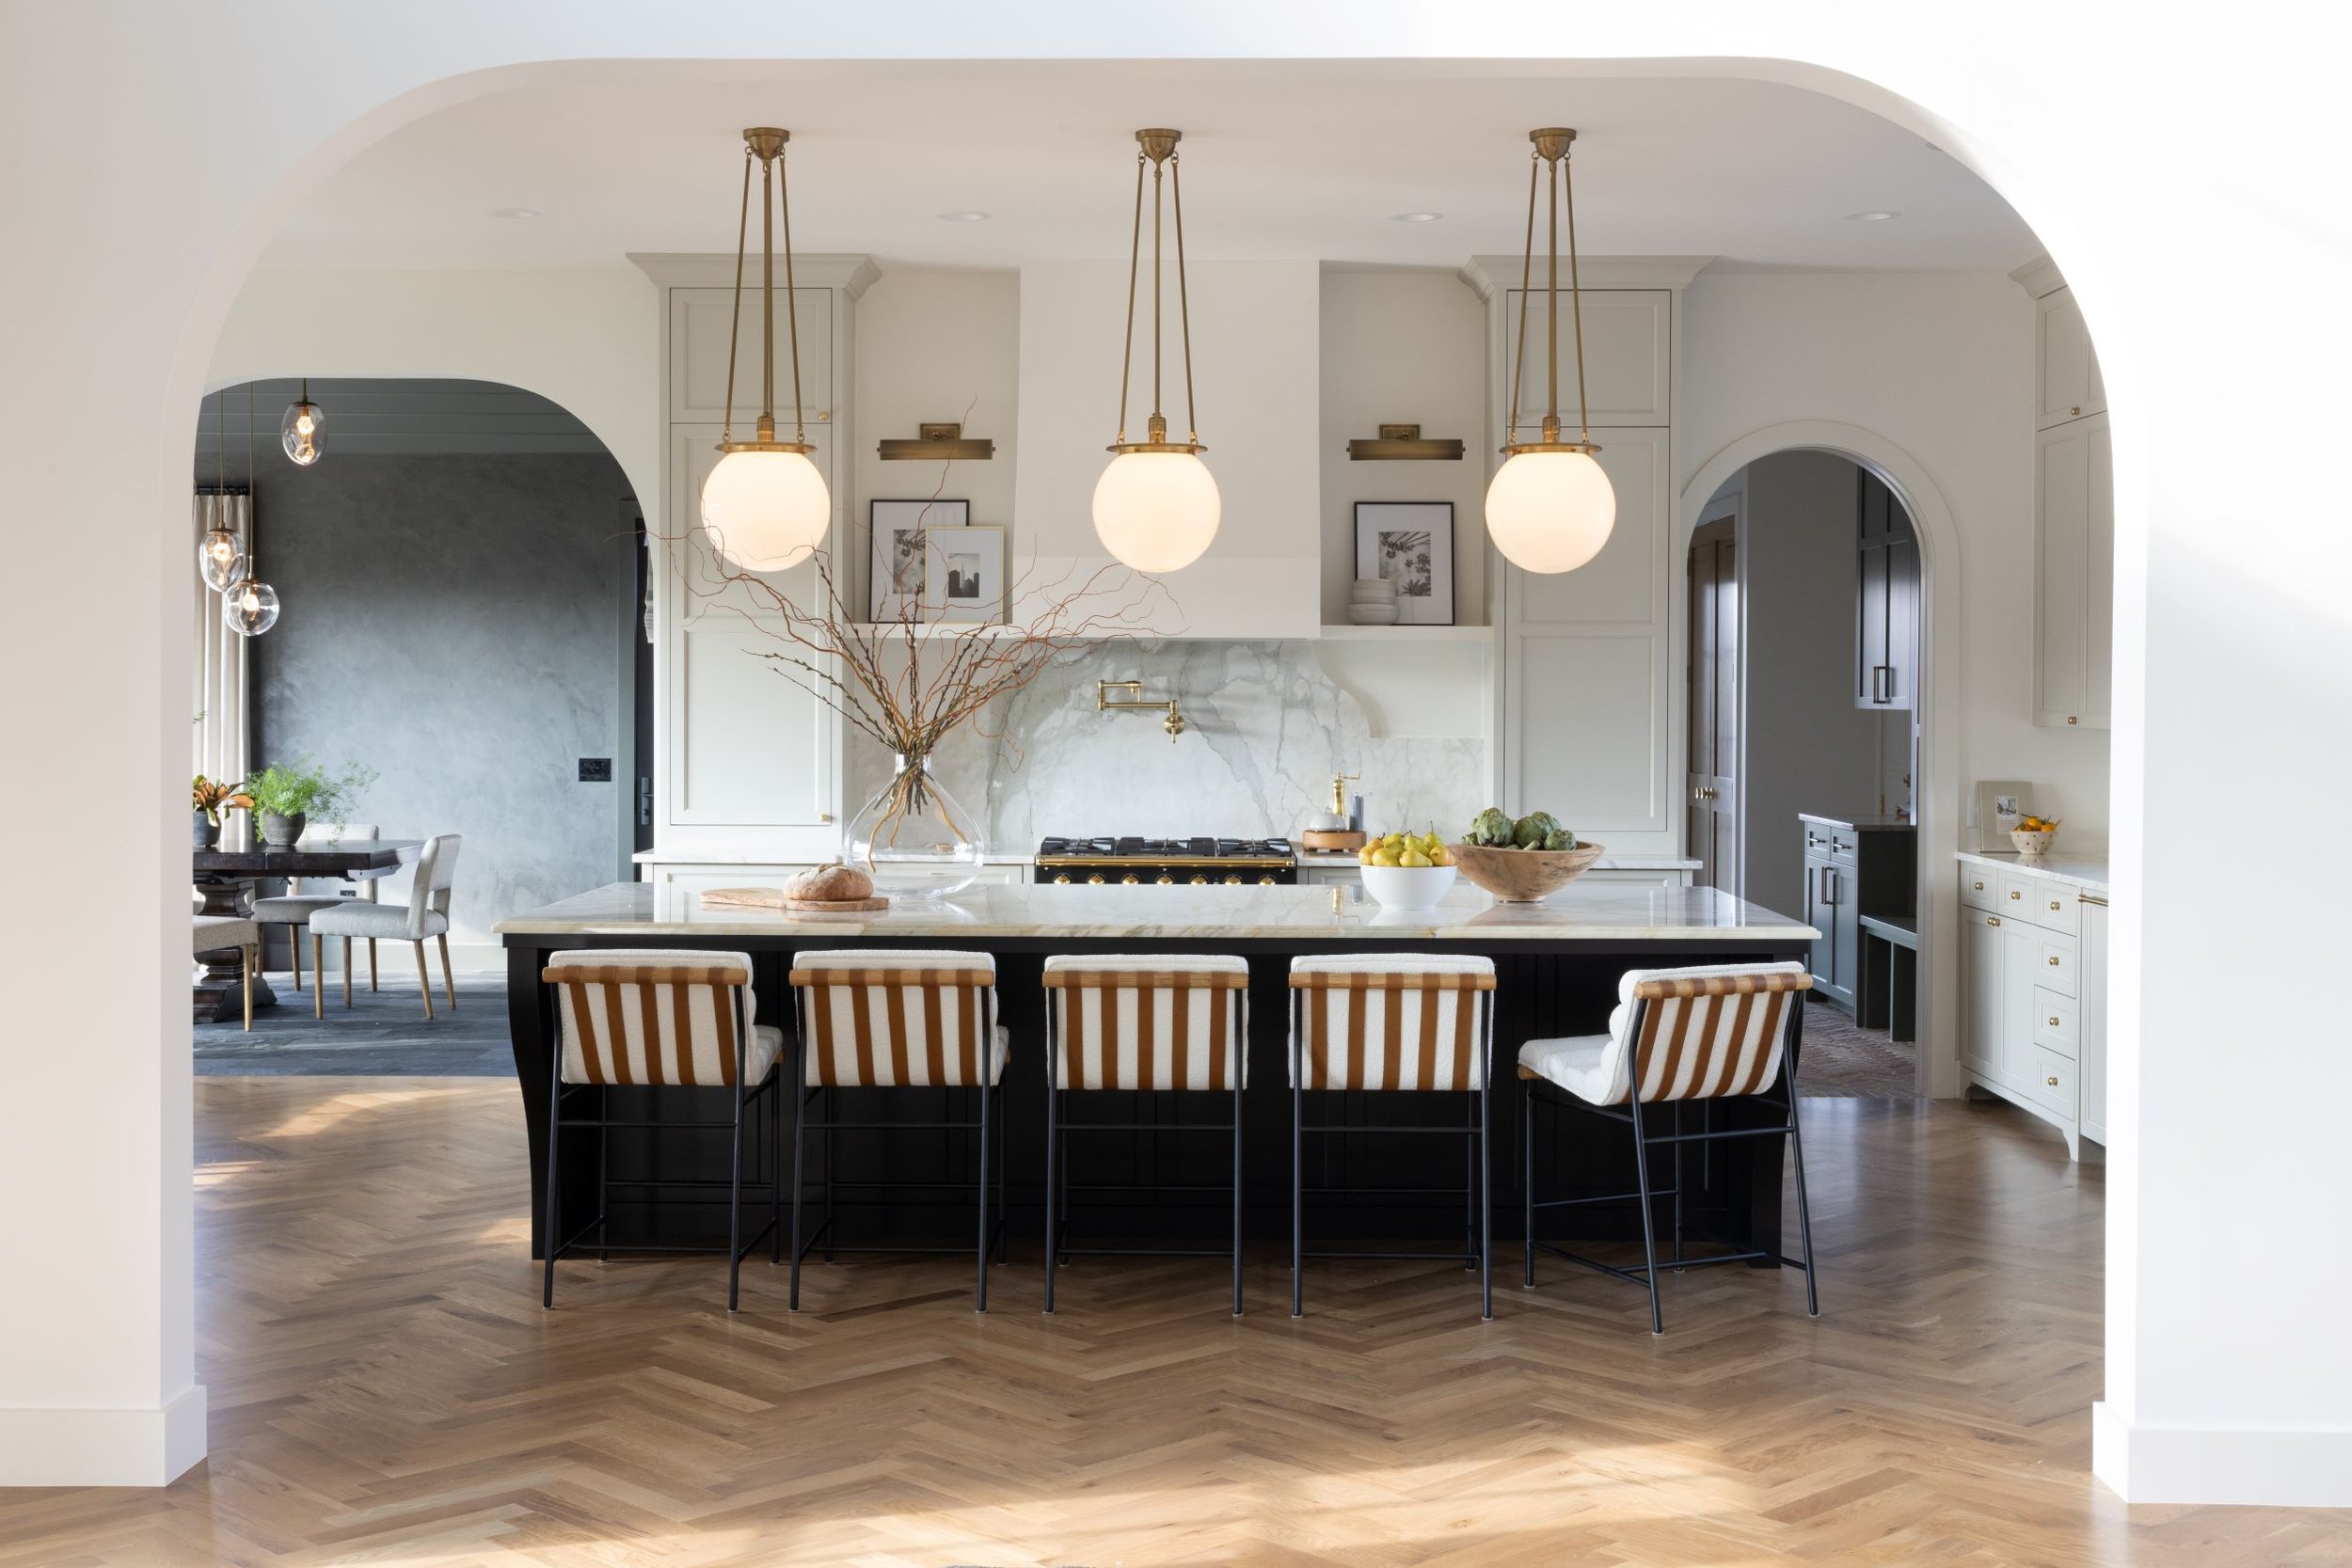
(940, 344)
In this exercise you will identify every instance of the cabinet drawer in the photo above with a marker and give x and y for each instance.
(2057, 959)
(2042, 902)
(2054, 1082)
(2057, 1026)
(1980, 889)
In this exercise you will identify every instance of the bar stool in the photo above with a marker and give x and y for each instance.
(659, 1019)
(1678, 1034)
(884, 1018)
(1140, 1022)
(1389, 1022)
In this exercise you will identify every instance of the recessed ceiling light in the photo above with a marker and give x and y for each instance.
(1416, 217)
(1871, 216)
(961, 217)
(514, 212)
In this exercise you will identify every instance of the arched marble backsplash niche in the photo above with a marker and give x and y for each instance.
(1268, 727)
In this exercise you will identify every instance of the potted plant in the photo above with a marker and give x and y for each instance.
(211, 798)
(285, 796)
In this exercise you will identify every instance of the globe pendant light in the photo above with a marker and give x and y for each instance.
(303, 431)
(1550, 507)
(219, 555)
(1157, 506)
(248, 606)
(765, 505)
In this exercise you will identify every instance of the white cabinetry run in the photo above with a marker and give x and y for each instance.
(2033, 1012)
(2073, 515)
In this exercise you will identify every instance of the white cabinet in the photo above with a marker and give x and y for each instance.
(2066, 372)
(2074, 576)
(1628, 352)
(699, 350)
(2033, 1003)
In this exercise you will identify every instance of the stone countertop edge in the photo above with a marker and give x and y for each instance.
(2089, 872)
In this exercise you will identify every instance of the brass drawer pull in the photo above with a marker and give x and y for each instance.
(2014, 893)
(2054, 1021)
(1979, 887)
(2053, 963)
(1992, 920)
(2052, 1082)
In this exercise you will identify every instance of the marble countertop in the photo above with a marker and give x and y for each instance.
(1607, 863)
(1598, 911)
(756, 857)
(2082, 871)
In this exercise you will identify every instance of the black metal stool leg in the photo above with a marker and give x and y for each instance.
(1677, 1125)
(1649, 1237)
(1527, 1186)
(1486, 1207)
(1053, 1186)
(1469, 1187)
(1237, 1077)
(734, 1179)
(979, 1293)
(1298, 1160)
(553, 1236)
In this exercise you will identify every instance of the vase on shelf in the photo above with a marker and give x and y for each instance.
(914, 838)
(1372, 602)
(279, 832)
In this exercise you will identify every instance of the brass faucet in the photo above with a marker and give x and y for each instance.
(1173, 723)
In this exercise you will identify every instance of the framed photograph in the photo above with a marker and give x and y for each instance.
(900, 559)
(1999, 804)
(966, 577)
(1411, 543)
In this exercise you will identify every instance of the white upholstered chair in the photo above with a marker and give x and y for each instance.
(658, 1018)
(425, 915)
(216, 931)
(1709, 1033)
(1384, 1022)
(295, 908)
(896, 1019)
(1152, 1022)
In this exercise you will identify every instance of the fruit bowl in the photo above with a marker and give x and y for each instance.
(2032, 844)
(1523, 876)
(1408, 887)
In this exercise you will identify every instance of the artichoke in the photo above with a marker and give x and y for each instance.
(1559, 838)
(1531, 830)
(1491, 828)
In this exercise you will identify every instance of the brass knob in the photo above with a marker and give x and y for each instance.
(2052, 1082)
(1061, 876)
(1233, 879)
(1129, 880)
(2069, 718)
(1096, 879)
(1979, 887)
(2054, 1021)
(1164, 878)
(1267, 880)
(2074, 408)
(2053, 960)
(1199, 880)
(1992, 920)
(2014, 893)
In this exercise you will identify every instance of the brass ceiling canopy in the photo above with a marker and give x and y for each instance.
(938, 443)
(1551, 144)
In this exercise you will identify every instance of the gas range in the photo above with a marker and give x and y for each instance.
(1168, 861)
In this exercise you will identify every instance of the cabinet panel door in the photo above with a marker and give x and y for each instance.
(2021, 955)
(2099, 581)
(699, 321)
(1625, 583)
(1820, 914)
(1902, 624)
(2062, 575)
(1980, 994)
(1871, 618)
(1846, 916)
(2093, 1032)
(1629, 345)
(1582, 736)
(2066, 384)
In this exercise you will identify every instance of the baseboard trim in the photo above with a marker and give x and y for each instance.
(2309, 1469)
(103, 1447)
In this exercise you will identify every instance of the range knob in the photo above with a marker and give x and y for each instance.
(1268, 881)
(1096, 879)
(1200, 880)
(1129, 880)
(1061, 876)
(1164, 878)
(1233, 880)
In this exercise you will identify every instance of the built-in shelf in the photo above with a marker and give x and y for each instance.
(1407, 634)
(932, 631)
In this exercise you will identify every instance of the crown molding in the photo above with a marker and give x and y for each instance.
(2038, 277)
(1492, 274)
(852, 275)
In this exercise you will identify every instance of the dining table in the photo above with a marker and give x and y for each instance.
(226, 878)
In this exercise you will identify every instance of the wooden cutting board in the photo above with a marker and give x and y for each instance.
(834, 906)
(773, 899)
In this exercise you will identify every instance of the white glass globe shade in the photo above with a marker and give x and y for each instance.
(1156, 510)
(766, 511)
(1550, 511)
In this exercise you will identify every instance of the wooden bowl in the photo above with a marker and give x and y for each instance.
(1523, 876)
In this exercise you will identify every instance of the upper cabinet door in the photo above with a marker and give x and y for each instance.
(699, 322)
(1629, 345)
(2066, 380)
(2074, 576)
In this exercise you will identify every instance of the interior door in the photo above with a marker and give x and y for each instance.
(1712, 791)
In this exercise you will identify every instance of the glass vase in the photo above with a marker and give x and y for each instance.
(914, 838)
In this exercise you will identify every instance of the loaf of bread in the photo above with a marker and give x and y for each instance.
(831, 883)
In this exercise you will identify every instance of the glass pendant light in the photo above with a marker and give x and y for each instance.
(764, 506)
(248, 606)
(303, 431)
(1549, 508)
(1157, 506)
(220, 555)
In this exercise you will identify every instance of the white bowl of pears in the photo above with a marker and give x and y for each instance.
(1406, 871)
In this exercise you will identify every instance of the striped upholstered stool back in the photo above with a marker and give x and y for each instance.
(1700, 1034)
(1395, 1020)
(656, 1016)
(895, 1018)
(1148, 1021)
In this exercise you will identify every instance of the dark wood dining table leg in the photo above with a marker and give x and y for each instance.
(220, 982)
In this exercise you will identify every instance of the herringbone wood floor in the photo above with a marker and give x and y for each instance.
(386, 1389)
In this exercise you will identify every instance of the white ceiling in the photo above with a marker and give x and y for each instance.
(1295, 161)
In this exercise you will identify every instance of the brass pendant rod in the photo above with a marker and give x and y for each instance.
(791, 302)
(1135, 253)
(767, 301)
(1576, 298)
(1527, 268)
(1157, 289)
(735, 329)
(1552, 301)
(252, 513)
(220, 443)
(1184, 299)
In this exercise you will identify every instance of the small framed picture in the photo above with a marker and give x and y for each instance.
(900, 556)
(966, 577)
(1410, 543)
(2000, 803)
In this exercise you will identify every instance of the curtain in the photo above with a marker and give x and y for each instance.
(221, 709)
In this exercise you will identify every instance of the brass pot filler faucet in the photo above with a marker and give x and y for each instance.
(1104, 703)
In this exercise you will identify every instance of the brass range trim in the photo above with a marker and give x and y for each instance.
(1166, 863)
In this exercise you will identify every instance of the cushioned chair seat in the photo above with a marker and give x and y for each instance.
(295, 909)
(355, 917)
(1577, 1063)
(215, 932)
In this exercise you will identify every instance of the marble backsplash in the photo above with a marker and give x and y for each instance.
(1267, 729)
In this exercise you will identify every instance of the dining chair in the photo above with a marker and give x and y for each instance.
(216, 931)
(1388, 1023)
(1704, 1034)
(425, 915)
(293, 908)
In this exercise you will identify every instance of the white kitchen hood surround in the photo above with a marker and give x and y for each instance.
(1256, 336)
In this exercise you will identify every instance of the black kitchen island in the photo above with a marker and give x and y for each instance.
(1558, 966)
